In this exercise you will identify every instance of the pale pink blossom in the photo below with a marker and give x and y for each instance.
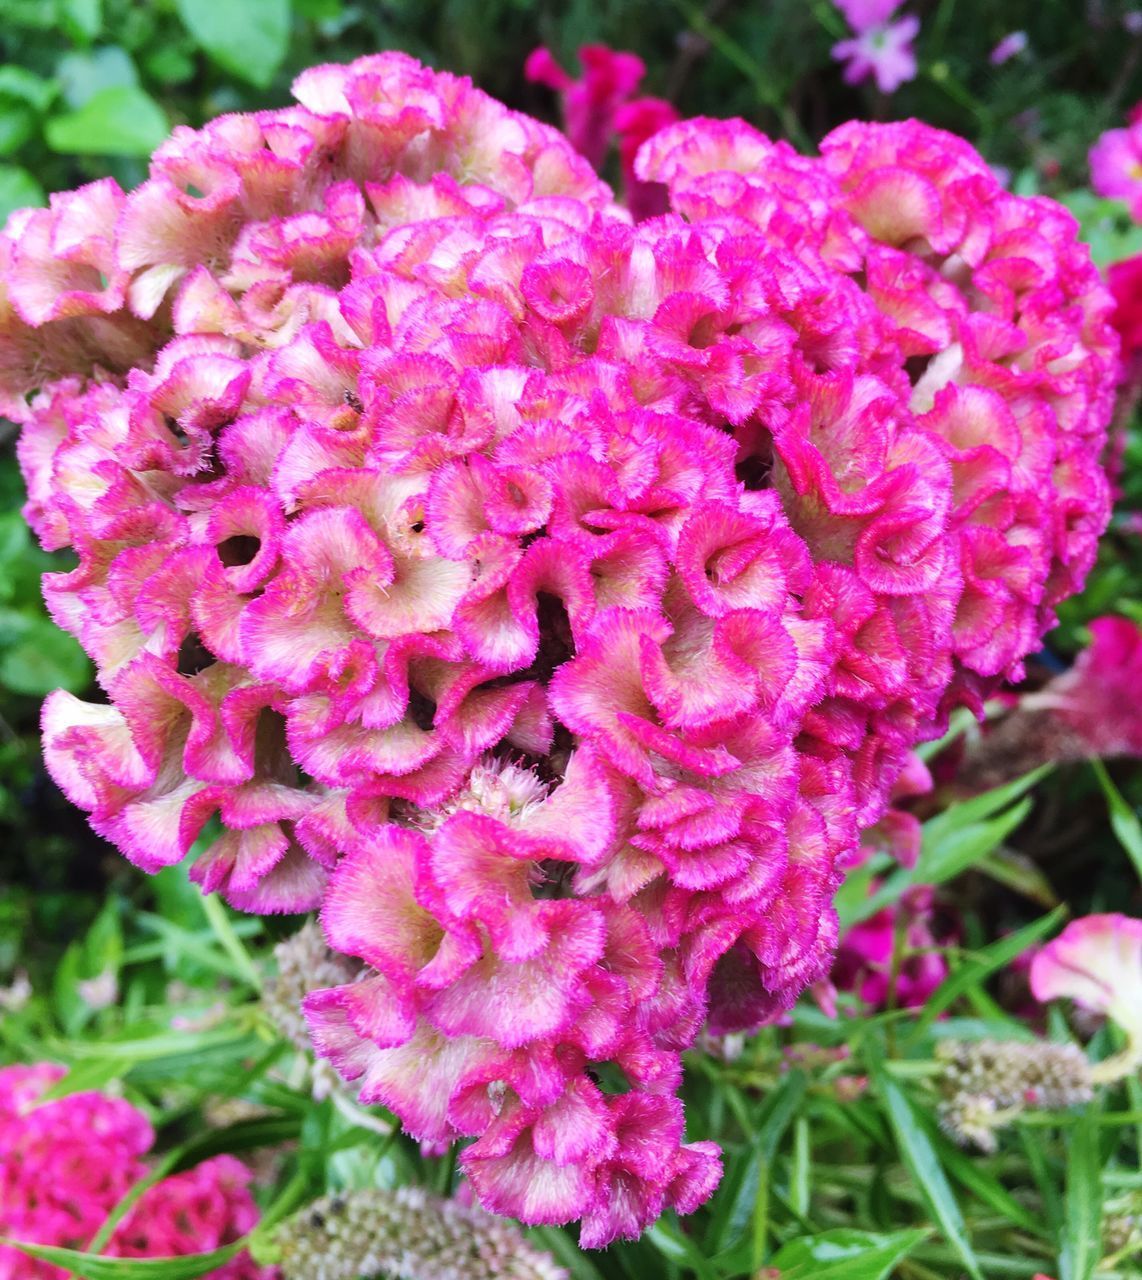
(1097, 962)
(883, 52)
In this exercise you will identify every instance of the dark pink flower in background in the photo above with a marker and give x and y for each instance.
(66, 1163)
(864, 964)
(609, 79)
(599, 110)
(1124, 279)
(635, 122)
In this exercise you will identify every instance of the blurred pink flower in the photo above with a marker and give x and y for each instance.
(1097, 698)
(589, 104)
(884, 52)
(1009, 47)
(864, 15)
(864, 958)
(66, 1163)
(1116, 165)
(1097, 962)
(635, 122)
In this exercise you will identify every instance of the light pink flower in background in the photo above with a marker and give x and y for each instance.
(884, 52)
(1009, 47)
(1097, 962)
(865, 15)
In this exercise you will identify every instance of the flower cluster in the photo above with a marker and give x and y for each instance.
(996, 317)
(549, 599)
(985, 1084)
(67, 1162)
(407, 1234)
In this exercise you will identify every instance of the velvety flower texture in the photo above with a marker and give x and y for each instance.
(547, 599)
(65, 1164)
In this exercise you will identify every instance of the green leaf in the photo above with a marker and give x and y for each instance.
(248, 39)
(17, 190)
(22, 85)
(43, 659)
(1081, 1232)
(1123, 819)
(746, 1184)
(920, 1157)
(82, 75)
(844, 1254)
(123, 121)
(93, 1267)
(974, 1176)
(83, 19)
(954, 840)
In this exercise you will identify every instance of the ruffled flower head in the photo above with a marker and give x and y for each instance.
(548, 600)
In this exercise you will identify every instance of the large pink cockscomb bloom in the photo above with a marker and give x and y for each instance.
(67, 1162)
(1097, 962)
(548, 600)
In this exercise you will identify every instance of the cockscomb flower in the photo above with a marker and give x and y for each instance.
(1097, 962)
(549, 600)
(1116, 165)
(1003, 324)
(67, 1162)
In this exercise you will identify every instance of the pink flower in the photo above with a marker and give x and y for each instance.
(549, 600)
(864, 15)
(864, 961)
(1009, 47)
(1096, 698)
(590, 103)
(1116, 166)
(65, 1164)
(884, 52)
(1097, 962)
(1124, 280)
(599, 109)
